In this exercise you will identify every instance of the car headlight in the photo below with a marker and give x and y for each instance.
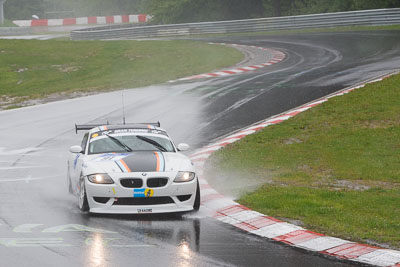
(100, 178)
(184, 177)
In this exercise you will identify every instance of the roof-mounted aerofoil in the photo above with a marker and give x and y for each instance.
(141, 125)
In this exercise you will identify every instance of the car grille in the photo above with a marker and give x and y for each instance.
(131, 182)
(142, 201)
(157, 182)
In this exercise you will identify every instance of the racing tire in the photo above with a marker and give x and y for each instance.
(196, 205)
(69, 184)
(82, 198)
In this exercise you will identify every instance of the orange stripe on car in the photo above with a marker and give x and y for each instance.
(158, 161)
(126, 166)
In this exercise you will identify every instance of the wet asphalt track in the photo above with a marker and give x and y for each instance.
(40, 224)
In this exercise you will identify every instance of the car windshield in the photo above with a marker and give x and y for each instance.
(124, 143)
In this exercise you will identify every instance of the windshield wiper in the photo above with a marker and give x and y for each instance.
(151, 141)
(121, 144)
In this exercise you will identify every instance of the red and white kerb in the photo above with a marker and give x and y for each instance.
(99, 20)
(278, 56)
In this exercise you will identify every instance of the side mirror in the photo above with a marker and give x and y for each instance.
(75, 149)
(183, 147)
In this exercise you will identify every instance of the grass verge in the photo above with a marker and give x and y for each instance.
(311, 30)
(8, 23)
(335, 168)
(34, 69)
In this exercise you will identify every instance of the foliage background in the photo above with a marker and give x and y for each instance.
(179, 11)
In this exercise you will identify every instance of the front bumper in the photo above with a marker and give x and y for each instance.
(117, 199)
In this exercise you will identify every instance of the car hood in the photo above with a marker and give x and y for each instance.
(141, 161)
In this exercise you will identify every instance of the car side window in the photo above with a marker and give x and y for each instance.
(84, 142)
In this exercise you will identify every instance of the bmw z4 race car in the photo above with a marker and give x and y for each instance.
(131, 168)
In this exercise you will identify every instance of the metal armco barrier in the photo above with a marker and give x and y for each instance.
(352, 18)
(7, 31)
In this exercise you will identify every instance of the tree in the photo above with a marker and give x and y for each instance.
(23, 9)
(298, 7)
(179, 11)
(374, 4)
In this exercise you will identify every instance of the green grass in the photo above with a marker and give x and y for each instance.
(33, 68)
(373, 214)
(8, 23)
(335, 167)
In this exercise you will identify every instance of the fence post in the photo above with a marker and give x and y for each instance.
(1, 11)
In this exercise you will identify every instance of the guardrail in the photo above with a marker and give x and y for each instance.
(352, 18)
(8, 31)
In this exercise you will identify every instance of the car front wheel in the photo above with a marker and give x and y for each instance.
(196, 205)
(69, 184)
(83, 202)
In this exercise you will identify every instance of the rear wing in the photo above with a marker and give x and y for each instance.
(86, 127)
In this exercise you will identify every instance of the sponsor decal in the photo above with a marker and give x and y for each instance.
(127, 131)
(103, 128)
(143, 192)
(110, 156)
(76, 160)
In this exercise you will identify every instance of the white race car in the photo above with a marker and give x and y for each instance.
(131, 168)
